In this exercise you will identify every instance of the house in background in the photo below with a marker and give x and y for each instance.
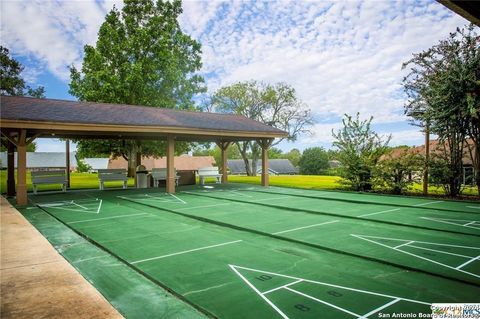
(96, 163)
(438, 148)
(275, 167)
(182, 163)
(37, 161)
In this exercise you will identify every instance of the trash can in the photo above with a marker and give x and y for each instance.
(142, 176)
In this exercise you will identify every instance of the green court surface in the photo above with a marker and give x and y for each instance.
(240, 251)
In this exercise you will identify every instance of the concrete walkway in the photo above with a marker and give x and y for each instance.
(36, 282)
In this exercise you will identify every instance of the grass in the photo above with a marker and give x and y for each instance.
(77, 181)
(89, 180)
(296, 181)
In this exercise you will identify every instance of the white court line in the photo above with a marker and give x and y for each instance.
(258, 292)
(78, 205)
(374, 311)
(404, 244)
(441, 251)
(87, 259)
(383, 211)
(239, 193)
(178, 198)
(466, 263)
(103, 218)
(267, 199)
(298, 228)
(204, 206)
(448, 222)
(281, 287)
(253, 201)
(186, 251)
(429, 203)
(324, 302)
(472, 222)
(476, 207)
(417, 241)
(327, 284)
(411, 254)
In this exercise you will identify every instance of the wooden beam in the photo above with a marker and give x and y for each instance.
(67, 161)
(265, 144)
(10, 138)
(170, 183)
(427, 159)
(223, 148)
(10, 169)
(22, 168)
(32, 138)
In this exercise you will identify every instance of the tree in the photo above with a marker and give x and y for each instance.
(11, 81)
(276, 105)
(314, 161)
(275, 153)
(232, 153)
(32, 147)
(141, 57)
(443, 89)
(398, 170)
(294, 156)
(359, 150)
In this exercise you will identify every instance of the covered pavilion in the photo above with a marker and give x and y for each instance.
(23, 119)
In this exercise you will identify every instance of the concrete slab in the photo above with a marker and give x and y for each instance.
(36, 282)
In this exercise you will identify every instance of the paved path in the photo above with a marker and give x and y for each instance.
(36, 282)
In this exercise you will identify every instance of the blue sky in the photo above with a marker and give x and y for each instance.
(341, 56)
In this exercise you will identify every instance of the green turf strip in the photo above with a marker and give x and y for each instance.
(174, 251)
(133, 295)
(419, 202)
(347, 235)
(416, 217)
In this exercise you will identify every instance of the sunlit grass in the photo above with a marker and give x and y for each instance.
(89, 180)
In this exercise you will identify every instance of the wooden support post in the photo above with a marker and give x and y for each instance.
(223, 148)
(22, 168)
(170, 165)
(67, 161)
(427, 159)
(265, 144)
(10, 169)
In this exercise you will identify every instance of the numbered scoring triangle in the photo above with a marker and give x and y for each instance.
(92, 206)
(293, 297)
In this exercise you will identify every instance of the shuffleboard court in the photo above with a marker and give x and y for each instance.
(233, 259)
(345, 235)
(404, 215)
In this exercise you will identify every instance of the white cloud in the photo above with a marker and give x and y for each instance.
(341, 56)
(51, 32)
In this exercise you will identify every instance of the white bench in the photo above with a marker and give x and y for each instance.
(204, 172)
(49, 177)
(111, 175)
(160, 174)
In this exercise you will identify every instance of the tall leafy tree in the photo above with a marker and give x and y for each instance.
(314, 161)
(443, 88)
(11, 80)
(273, 104)
(293, 156)
(141, 57)
(359, 151)
(397, 169)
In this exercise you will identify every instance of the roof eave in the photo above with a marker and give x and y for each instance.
(125, 131)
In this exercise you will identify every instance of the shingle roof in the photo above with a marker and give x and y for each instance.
(279, 166)
(180, 162)
(42, 159)
(61, 111)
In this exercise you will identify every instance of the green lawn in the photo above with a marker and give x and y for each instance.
(77, 180)
(89, 180)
